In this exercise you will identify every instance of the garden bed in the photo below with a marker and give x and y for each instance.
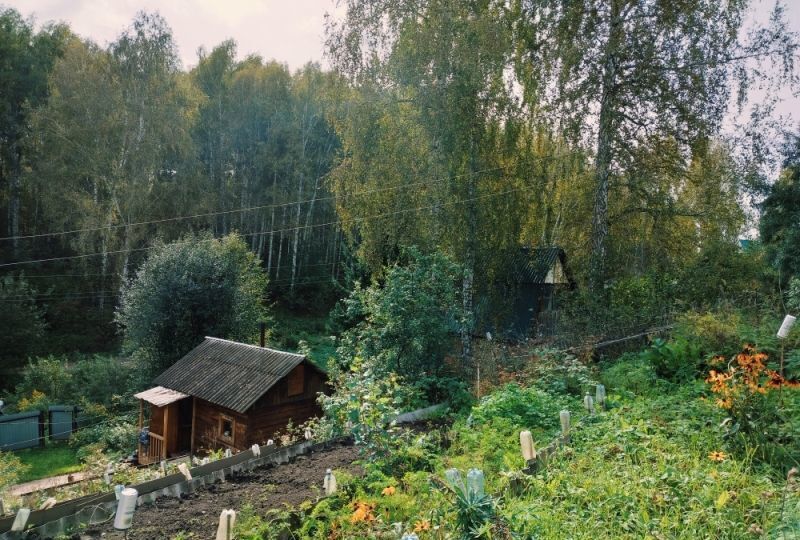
(267, 488)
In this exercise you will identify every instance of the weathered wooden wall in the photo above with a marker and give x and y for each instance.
(276, 408)
(206, 427)
(266, 418)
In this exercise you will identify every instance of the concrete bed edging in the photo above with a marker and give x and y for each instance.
(99, 508)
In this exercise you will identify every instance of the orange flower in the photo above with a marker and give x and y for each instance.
(422, 525)
(726, 403)
(363, 512)
(717, 456)
(388, 491)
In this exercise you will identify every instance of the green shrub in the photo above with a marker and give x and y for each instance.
(97, 379)
(112, 435)
(406, 326)
(529, 408)
(11, 468)
(432, 390)
(364, 404)
(630, 373)
(557, 372)
(678, 360)
(713, 332)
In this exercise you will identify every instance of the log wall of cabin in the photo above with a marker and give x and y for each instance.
(270, 414)
(207, 419)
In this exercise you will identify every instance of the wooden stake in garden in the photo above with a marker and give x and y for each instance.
(227, 519)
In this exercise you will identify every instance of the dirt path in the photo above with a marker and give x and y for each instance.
(198, 513)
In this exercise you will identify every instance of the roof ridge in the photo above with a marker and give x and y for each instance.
(255, 346)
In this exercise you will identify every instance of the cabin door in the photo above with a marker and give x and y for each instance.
(185, 425)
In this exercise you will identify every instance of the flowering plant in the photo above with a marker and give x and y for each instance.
(746, 391)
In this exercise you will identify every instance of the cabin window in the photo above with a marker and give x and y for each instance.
(296, 381)
(226, 427)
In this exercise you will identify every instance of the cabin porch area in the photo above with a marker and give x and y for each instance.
(165, 427)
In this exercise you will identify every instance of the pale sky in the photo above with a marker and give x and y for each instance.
(290, 31)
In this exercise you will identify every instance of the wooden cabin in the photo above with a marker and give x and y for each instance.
(523, 303)
(225, 394)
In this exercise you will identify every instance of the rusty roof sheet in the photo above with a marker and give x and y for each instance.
(160, 396)
(227, 373)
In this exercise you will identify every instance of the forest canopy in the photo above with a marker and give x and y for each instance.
(462, 129)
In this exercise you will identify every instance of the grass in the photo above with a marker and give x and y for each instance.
(52, 460)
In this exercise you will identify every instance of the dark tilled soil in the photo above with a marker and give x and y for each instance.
(274, 487)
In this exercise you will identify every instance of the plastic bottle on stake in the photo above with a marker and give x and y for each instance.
(600, 396)
(588, 402)
(526, 443)
(564, 417)
(476, 483)
(125, 509)
(786, 326)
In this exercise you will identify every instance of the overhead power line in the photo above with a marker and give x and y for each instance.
(273, 231)
(428, 181)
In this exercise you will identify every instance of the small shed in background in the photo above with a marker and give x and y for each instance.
(225, 394)
(525, 303)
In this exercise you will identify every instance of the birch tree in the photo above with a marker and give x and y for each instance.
(614, 73)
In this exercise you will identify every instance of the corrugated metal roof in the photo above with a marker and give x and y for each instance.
(227, 373)
(160, 396)
(532, 265)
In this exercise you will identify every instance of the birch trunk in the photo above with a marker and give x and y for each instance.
(14, 196)
(272, 222)
(604, 155)
(296, 234)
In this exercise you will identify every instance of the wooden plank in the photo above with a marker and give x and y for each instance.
(194, 415)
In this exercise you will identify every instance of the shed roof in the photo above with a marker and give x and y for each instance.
(533, 265)
(229, 374)
(160, 396)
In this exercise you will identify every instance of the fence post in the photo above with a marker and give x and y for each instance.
(41, 428)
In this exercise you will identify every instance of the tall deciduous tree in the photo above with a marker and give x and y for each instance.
(27, 58)
(448, 60)
(196, 287)
(620, 71)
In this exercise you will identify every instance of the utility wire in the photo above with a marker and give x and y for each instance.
(265, 232)
(428, 181)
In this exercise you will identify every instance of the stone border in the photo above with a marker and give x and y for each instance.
(94, 509)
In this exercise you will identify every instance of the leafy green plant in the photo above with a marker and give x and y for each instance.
(630, 373)
(559, 372)
(678, 360)
(761, 419)
(11, 468)
(364, 404)
(528, 408)
(475, 512)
